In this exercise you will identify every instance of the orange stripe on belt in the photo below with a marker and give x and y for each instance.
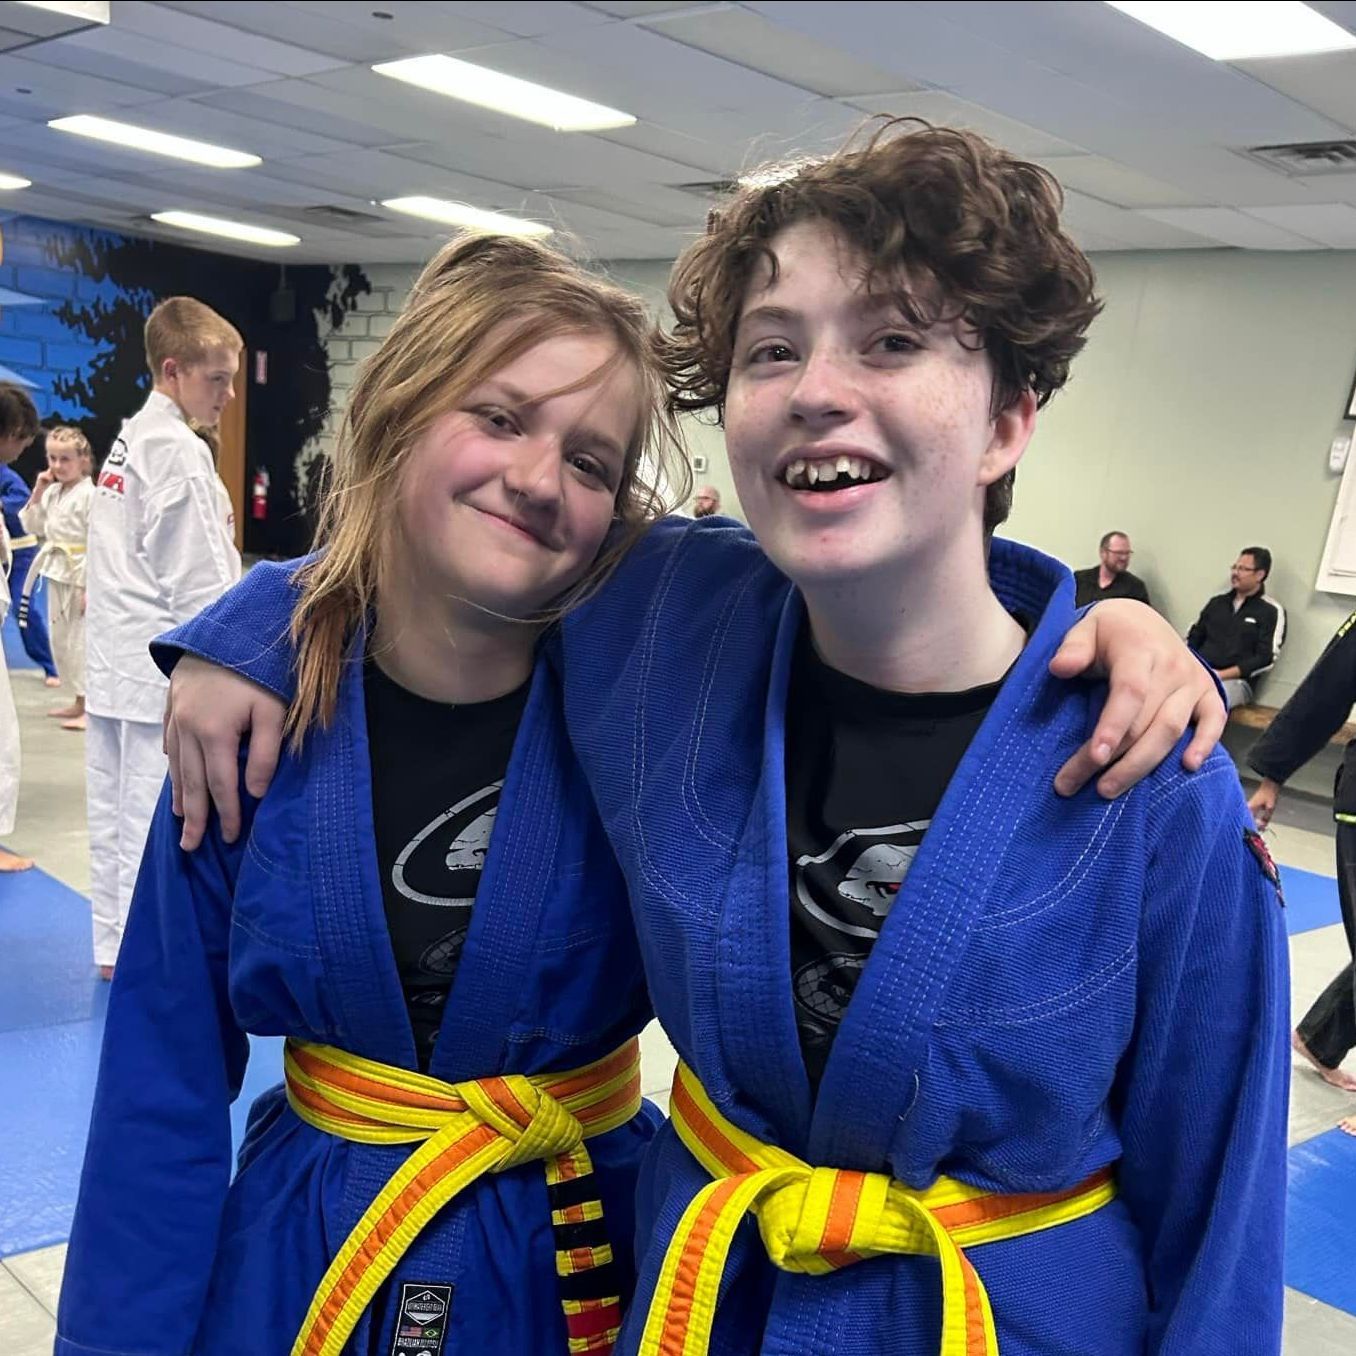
(463, 1131)
(818, 1220)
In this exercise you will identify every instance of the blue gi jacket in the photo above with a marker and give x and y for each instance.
(284, 933)
(1060, 985)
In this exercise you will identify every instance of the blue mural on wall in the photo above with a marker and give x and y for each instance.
(73, 301)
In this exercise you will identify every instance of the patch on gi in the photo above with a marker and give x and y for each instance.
(421, 1323)
(1264, 859)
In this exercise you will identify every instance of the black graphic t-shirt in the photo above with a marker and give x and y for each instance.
(865, 772)
(437, 770)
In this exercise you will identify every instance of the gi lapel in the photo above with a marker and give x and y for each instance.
(496, 962)
(753, 980)
(875, 1070)
(355, 942)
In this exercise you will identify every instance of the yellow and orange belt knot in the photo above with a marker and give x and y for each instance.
(817, 1220)
(464, 1131)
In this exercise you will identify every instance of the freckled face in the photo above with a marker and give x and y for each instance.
(506, 500)
(858, 443)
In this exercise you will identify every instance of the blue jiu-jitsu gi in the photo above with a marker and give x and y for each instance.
(284, 933)
(14, 495)
(1061, 986)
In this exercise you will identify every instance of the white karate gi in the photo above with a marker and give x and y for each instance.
(161, 547)
(61, 519)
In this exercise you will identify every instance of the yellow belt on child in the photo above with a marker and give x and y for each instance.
(817, 1220)
(72, 550)
(468, 1129)
(22, 543)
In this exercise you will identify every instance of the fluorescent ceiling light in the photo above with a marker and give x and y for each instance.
(232, 230)
(504, 93)
(159, 143)
(92, 11)
(1241, 31)
(13, 181)
(463, 214)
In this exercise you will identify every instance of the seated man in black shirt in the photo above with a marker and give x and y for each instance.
(1240, 633)
(1112, 578)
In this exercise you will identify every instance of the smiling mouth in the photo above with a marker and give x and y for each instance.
(823, 475)
(517, 527)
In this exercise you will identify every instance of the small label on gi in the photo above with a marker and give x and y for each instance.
(421, 1323)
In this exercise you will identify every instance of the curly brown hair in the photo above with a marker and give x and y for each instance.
(954, 226)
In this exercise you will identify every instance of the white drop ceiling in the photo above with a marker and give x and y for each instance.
(1146, 135)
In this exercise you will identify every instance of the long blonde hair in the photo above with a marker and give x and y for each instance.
(478, 305)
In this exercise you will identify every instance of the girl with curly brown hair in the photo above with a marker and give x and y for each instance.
(926, 1010)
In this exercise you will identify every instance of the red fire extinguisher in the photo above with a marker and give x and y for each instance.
(259, 495)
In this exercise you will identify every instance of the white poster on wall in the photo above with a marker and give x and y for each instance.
(1337, 568)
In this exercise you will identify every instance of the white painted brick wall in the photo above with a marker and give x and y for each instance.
(358, 337)
(363, 330)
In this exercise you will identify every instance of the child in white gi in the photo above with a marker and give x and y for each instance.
(161, 546)
(58, 513)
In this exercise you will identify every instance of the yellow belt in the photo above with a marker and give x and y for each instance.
(467, 1130)
(72, 549)
(816, 1220)
(22, 543)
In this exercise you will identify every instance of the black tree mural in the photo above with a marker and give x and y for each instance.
(283, 414)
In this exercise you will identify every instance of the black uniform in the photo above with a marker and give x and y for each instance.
(1306, 722)
(1088, 586)
(1248, 635)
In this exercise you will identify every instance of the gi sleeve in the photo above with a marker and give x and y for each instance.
(13, 495)
(1314, 713)
(247, 629)
(33, 517)
(1263, 654)
(158, 1160)
(185, 544)
(1202, 1093)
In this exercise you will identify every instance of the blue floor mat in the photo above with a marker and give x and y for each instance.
(52, 1006)
(1321, 1220)
(1310, 900)
(46, 954)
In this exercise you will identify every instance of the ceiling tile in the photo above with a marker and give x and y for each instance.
(641, 9)
(947, 110)
(1118, 184)
(346, 31)
(278, 103)
(1325, 82)
(1331, 224)
(67, 57)
(755, 41)
(1229, 227)
(158, 26)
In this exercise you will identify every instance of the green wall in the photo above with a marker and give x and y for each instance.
(1198, 420)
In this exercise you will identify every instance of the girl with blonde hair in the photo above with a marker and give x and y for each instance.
(57, 513)
(456, 1142)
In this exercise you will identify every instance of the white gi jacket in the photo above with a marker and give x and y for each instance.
(161, 547)
(62, 521)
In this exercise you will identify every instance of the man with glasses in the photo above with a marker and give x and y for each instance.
(1240, 633)
(1112, 578)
